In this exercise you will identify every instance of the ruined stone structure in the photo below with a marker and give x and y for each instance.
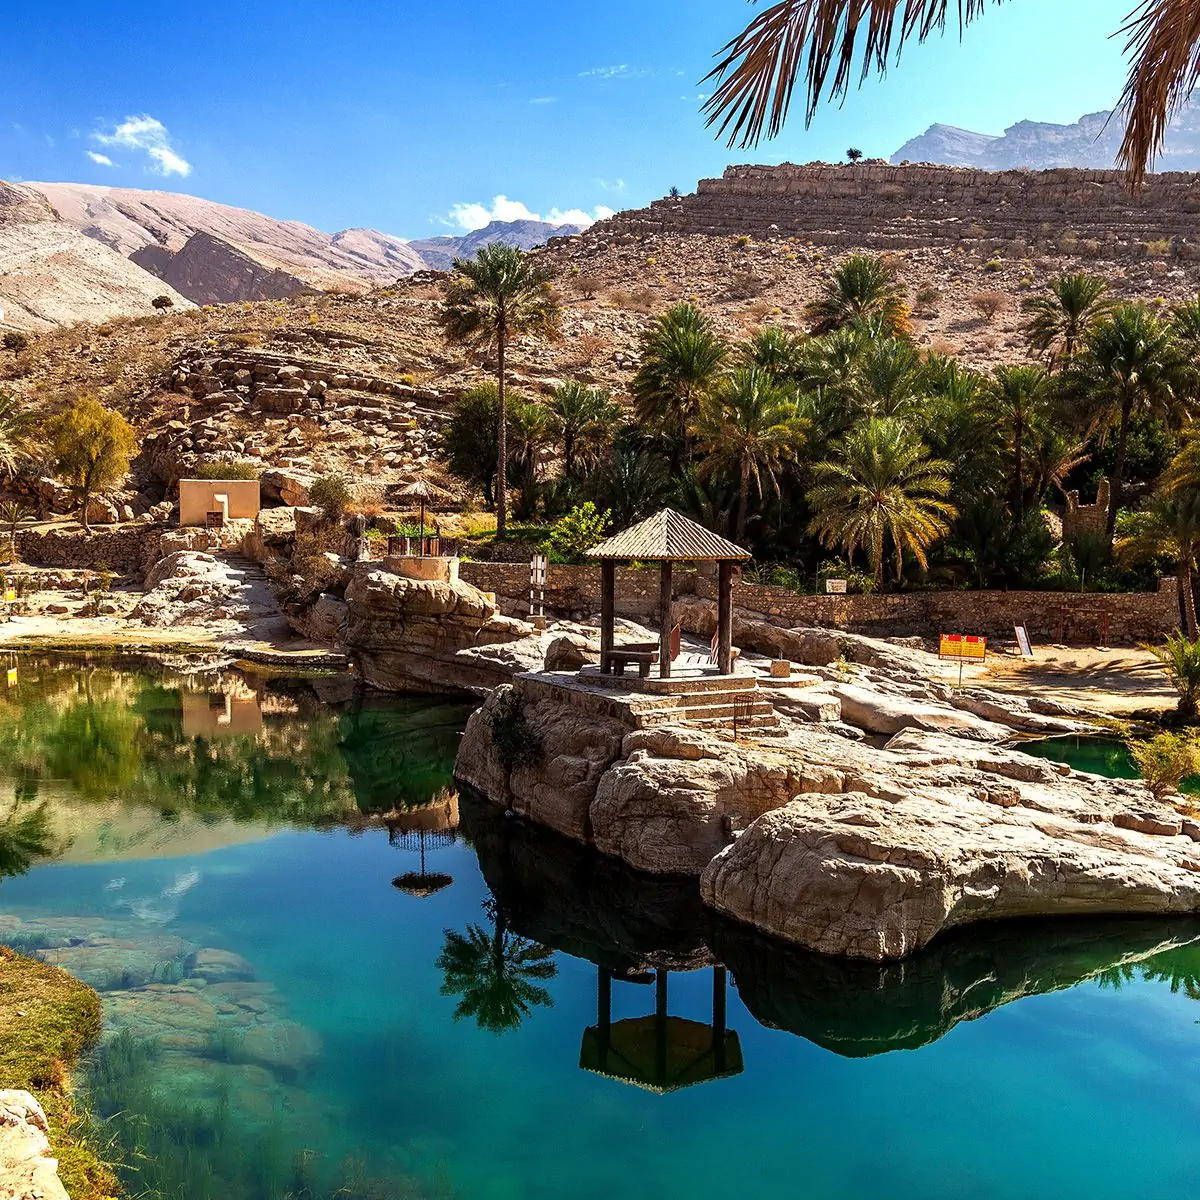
(883, 207)
(1086, 520)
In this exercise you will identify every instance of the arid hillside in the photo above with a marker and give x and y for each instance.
(363, 384)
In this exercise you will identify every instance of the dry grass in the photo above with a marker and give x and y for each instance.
(47, 1020)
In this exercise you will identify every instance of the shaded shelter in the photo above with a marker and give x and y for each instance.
(667, 537)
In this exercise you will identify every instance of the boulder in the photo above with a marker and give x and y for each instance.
(865, 877)
(27, 1168)
(878, 712)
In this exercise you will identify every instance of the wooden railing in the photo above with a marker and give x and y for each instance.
(403, 546)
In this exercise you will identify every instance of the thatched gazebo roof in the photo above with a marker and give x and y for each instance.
(669, 536)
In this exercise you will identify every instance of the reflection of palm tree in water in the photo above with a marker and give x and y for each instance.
(24, 831)
(496, 975)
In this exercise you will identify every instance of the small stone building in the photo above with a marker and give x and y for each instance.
(233, 498)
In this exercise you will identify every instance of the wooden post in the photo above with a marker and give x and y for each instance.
(664, 615)
(725, 618)
(660, 1025)
(608, 576)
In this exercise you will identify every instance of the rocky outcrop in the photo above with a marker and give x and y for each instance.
(424, 636)
(28, 1170)
(825, 837)
(208, 270)
(880, 207)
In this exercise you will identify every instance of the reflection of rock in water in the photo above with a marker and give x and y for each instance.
(400, 752)
(857, 1009)
(563, 895)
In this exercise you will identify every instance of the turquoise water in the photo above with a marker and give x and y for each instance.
(1098, 755)
(283, 1020)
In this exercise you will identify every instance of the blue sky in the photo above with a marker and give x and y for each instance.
(412, 118)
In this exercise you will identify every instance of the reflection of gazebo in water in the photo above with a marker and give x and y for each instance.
(660, 1053)
(666, 538)
(434, 824)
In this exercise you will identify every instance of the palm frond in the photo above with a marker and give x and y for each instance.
(810, 38)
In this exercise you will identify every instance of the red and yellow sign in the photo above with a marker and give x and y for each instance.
(957, 645)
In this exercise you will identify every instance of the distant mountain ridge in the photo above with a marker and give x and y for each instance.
(440, 252)
(214, 253)
(1092, 141)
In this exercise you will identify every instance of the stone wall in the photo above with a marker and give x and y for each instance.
(883, 207)
(1049, 616)
(1084, 520)
(122, 549)
(575, 590)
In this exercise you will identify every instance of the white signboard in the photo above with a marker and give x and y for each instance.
(1023, 641)
(835, 587)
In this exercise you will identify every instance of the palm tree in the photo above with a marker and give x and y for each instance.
(25, 836)
(882, 486)
(682, 358)
(775, 350)
(862, 285)
(889, 381)
(807, 39)
(586, 418)
(750, 428)
(1019, 394)
(1128, 365)
(1059, 323)
(532, 428)
(16, 434)
(1169, 528)
(498, 976)
(633, 484)
(1180, 657)
(500, 294)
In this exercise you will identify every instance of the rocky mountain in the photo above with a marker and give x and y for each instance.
(218, 254)
(51, 274)
(439, 253)
(1092, 141)
(153, 227)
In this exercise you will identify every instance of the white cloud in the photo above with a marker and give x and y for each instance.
(148, 134)
(472, 216)
(611, 185)
(605, 72)
(101, 159)
(544, 100)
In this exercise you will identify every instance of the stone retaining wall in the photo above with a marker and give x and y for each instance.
(122, 549)
(1049, 616)
(881, 206)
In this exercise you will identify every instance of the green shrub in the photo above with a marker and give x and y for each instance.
(15, 341)
(332, 495)
(227, 468)
(577, 531)
(1164, 760)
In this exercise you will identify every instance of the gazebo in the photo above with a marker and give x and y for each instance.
(668, 538)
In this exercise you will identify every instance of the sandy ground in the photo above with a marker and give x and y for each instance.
(1115, 681)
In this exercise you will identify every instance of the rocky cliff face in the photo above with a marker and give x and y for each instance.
(210, 271)
(881, 207)
(50, 273)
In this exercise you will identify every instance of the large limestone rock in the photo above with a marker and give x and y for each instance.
(407, 634)
(28, 1170)
(877, 877)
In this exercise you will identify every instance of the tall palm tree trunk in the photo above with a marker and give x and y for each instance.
(501, 438)
(1018, 472)
(1118, 479)
(743, 499)
(1188, 595)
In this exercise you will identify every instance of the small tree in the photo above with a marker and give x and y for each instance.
(15, 341)
(332, 495)
(162, 303)
(1164, 760)
(91, 446)
(674, 193)
(12, 513)
(471, 438)
(854, 154)
(577, 531)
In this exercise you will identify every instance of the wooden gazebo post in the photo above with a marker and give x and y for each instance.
(664, 616)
